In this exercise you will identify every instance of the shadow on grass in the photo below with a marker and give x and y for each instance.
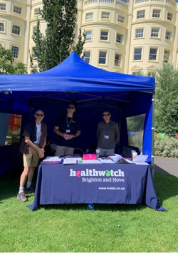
(9, 183)
(97, 207)
(166, 186)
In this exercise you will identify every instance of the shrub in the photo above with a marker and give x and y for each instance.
(167, 147)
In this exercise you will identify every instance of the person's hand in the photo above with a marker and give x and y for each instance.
(66, 136)
(41, 152)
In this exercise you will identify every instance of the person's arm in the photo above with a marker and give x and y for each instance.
(98, 130)
(32, 145)
(56, 131)
(117, 133)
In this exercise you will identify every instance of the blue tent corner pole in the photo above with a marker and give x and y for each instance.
(152, 133)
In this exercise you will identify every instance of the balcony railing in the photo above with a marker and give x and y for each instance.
(116, 2)
(171, 2)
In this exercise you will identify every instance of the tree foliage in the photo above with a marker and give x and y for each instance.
(166, 103)
(8, 65)
(58, 41)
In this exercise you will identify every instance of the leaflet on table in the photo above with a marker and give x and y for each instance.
(89, 162)
(52, 160)
(105, 160)
(116, 157)
(140, 158)
(71, 160)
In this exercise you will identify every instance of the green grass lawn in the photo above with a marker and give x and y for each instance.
(73, 228)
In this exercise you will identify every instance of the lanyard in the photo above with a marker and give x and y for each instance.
(107, 128)
(68, 123)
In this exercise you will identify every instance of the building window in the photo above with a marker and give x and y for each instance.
(16, 29)
(33, 53)
(87, 56)
(119, 38)
(17, 9)
(117, 60)
(168, 35)
(1, 27)
(155, 32)
(104, 35)
(2, 7)
(140, 14)
(139, 33)
(166, 56)
(137, 54)
(105, 15)
(151, 74)
(15, 52)
(153, 54)
(120, 19)
(89, 16)
(34, 30)
(102, 57)
(37, 11)
(156, 14)
(88, 35)
(169, 16)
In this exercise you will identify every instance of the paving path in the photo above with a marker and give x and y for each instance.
(165, 165)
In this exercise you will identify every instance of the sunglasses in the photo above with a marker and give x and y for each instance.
(39, 115)
(105, 115)
(71, 107)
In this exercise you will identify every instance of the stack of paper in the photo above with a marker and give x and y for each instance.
(116, 157)
(70, 161)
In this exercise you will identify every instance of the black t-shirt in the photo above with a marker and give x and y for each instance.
(69, 126)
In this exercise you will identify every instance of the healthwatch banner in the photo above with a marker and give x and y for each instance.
(95, 183)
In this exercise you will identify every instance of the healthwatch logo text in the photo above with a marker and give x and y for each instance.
(96, 173)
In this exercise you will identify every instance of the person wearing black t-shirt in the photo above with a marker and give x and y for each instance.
(67, 127)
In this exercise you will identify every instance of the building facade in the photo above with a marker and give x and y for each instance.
(121, 36)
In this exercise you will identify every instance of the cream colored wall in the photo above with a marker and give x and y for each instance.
(147, 42)
(27, 21)
(9, 18)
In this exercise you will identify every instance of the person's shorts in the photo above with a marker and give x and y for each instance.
(31, 159)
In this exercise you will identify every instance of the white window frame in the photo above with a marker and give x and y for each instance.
(87, 15)
(135, 54)
(12, 53)
(166, 57)
(140, 14)
(90, 38)
(18, 8)
(155, 32)
(151, 74)
(1, 22)
(156, 13)
(169, 16)
(88, 57)
(16, 27)
(102, 51)
(36, 11)
(120, 19)
(121, 38)
(117, 62)
(33, 54)
(105, 15)
(107, 36)
(168, 36)
(154, 54)
(137, 30)
(3, 6)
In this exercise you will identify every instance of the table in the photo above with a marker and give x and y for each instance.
(95, 183)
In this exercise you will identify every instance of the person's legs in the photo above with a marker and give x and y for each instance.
(34, 164)
(23, 177)
(109, 152)
(60, 151)
(69, 151)
(101, 151)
